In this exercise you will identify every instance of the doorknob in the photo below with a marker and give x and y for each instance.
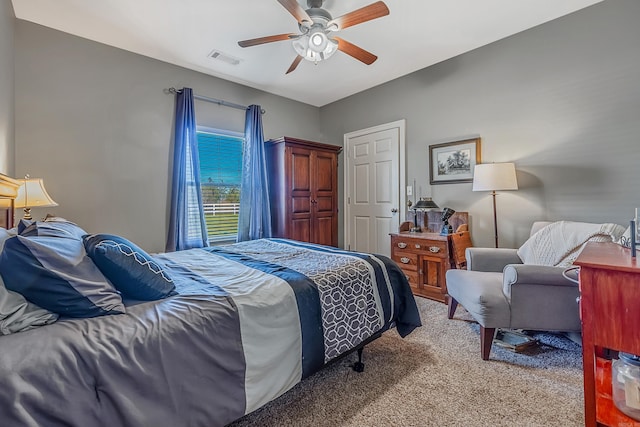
(394, 210)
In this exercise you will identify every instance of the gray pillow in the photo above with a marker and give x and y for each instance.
(16, 313)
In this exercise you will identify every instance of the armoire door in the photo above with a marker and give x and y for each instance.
(323, 198)
(300, 185)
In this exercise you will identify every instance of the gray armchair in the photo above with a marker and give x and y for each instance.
(499, 291)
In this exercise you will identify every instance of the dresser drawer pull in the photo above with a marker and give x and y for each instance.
(402, 245)
(405, 260)
(434, 249)
(417, 246)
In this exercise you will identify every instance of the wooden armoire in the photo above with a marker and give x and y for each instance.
(303, 189)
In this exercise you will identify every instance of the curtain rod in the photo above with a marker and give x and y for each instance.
(214, 100)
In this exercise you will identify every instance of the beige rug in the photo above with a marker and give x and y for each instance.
(435, 377)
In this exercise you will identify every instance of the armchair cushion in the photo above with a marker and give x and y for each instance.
(481, 294)
(491, 259)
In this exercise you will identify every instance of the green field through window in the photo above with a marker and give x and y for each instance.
(220, 173)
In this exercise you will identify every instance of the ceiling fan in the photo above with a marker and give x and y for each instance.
(316, 41)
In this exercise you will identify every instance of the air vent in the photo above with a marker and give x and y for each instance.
(221, 56)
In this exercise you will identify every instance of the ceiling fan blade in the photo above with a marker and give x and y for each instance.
(357, 52)
(296, 10)
(364, 14)
(294, 64)
(268, 39)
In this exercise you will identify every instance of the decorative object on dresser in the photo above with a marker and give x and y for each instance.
(446, 227)
(495, 177)
(453, 162)
(460, 241)
(303, 189)
(31, 194)
(423, 205)
(610, 309)
(431, 221)
(425, 257)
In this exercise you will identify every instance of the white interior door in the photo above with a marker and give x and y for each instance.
(374, 177)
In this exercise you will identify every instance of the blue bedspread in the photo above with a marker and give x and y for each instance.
(251, 320)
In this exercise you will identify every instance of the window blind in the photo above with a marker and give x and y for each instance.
(220, 174)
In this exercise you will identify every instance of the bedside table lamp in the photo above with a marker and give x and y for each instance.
(425, 203)
(32, 193)
(495, 177)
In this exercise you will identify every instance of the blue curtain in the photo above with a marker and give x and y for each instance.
(187, 228)
(254, 221)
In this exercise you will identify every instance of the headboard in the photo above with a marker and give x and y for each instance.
(8, 192)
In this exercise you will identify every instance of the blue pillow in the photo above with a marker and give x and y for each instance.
(55, 228)
(131, 270)
(55, 273)
(24, 223)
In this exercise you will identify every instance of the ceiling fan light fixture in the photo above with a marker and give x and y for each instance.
(315, 46)
(317, 42)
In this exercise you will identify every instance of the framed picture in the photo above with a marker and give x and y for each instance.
(453, 162)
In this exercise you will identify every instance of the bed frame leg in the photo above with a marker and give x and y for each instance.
(359, 366)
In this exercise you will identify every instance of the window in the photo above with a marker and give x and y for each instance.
(220, 155)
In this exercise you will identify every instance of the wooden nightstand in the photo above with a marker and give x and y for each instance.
(610, 313)
(424, 258)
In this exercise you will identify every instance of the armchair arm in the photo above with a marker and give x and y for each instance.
(539, 275)
(541, 298)
(491, 259)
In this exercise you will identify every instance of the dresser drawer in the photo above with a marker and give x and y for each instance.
(412, 277)
(406, 260)
(419, 246)
(435, 248)
(407, 244)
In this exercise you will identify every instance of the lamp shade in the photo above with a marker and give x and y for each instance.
(425, 203)
(32, 193)
(494, 177)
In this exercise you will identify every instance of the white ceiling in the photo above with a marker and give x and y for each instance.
(416, 34)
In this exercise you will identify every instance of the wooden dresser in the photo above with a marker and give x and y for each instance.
(424, 258)
(610, 312)
(303, 189)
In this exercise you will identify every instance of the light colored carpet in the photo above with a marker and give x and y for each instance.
(435, 377)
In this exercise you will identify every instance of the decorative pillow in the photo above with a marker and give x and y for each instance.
(24, 223)
(131, 270)
(55, 273)
(59, 227)
(16, 313)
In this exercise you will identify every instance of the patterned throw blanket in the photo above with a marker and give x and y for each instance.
(560, 243)
(350, 305)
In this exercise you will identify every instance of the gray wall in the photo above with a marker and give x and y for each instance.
(7, 20)
(94, 123)
(561, 100)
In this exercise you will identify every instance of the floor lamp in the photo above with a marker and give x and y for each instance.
(495, 177)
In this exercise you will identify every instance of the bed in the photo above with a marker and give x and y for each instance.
(242, 324)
